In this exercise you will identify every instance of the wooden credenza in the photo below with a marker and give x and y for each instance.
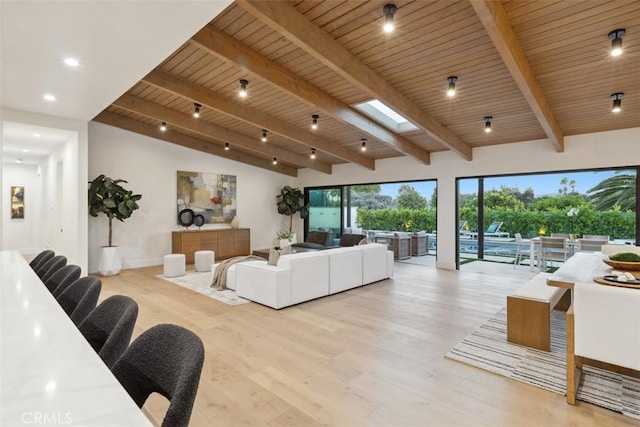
(225, 242)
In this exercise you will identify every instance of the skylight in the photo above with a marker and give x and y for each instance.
(385, 116)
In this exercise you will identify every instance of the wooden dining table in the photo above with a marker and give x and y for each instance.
(50, 373)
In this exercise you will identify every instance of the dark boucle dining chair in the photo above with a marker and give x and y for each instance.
(41, 258)
(62, 278)
(80, 298)
(51, 266)
(166, 359)
(348, 239)
(109, 327)
(315, 240)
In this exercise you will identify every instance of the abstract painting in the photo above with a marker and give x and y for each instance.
(17, 202)
(208, 194)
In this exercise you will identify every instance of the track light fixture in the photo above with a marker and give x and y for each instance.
(196, 110)
(314, 121)
(487, 124)
(389, 10)
(363, 144)
(264, 135)
(313, 154)
(616, 41)
(243, 88)
(163, 126)
(275, 161)
(617, 102)
(451, 91)
(226, 146)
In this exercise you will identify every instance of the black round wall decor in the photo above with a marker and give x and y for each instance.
(185, 217)
(198, 220)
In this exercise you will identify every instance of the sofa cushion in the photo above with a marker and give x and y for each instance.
(345, 269)
(309, 274)
(374, 262)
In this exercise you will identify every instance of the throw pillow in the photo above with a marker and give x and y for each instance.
(364, 241)
(273, 257)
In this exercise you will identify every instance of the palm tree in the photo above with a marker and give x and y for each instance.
(618, 190)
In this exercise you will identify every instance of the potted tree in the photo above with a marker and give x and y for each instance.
(290, 201)
(107, 196)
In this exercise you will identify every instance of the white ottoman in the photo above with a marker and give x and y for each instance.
(204, 259)
(174, 265)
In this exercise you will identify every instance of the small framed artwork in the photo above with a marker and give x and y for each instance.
(17, 202)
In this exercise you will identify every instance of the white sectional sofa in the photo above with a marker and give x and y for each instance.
(305, 276)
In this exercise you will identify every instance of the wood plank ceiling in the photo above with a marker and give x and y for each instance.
(541, 69)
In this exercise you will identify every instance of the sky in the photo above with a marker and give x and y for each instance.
(542, 184)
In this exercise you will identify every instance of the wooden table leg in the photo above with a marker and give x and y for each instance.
(574, 363)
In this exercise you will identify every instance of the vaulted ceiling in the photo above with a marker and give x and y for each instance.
(540, 69)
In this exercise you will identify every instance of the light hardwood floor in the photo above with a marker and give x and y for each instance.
(369, 356)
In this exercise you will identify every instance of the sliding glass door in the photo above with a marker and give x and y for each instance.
(324, 211)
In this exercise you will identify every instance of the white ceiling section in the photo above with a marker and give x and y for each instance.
(38, 142)
(116, 43)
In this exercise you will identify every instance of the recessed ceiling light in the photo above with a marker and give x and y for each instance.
(19, 161)
(24, 150)
(37, 135)
(49, 97)
(71, 62)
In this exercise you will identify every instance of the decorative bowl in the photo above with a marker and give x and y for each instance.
(623, 265)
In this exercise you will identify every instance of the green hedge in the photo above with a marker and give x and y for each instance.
(614, 223)
(397, 219)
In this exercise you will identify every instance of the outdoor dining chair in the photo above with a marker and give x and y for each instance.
(591, 245)
(552, 249)
(522, 248)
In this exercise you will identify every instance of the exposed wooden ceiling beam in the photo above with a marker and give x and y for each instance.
(210, 130)
(497, 24)
(132, 125)
(229, 49)
(284, 19)
(207, 97)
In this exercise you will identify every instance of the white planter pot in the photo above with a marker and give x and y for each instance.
(288, 242)
(110, 262)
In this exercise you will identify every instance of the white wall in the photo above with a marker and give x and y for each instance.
(150, 165)
(74, 155)
(22, 234)
(597, 150)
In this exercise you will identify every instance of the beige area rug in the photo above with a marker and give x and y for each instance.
(201, 283)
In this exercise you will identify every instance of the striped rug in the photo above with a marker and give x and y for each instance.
(487, 348)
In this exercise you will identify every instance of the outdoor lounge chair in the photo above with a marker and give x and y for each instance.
(494, 230)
